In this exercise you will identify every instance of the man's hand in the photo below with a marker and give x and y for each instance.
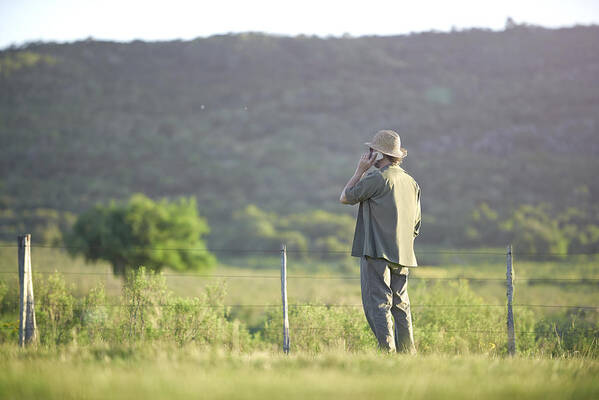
(366, 161)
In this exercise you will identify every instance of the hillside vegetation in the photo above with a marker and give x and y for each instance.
(493, 121)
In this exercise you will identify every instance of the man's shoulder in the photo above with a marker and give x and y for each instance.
(398, 175)
(374, 174)
(411, 178)
(374, 178)
(398, 172)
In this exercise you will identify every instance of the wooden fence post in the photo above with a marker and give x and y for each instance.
(511, 338)
(27, 325)
(284, 295)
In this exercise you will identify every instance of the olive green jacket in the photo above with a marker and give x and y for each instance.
(388, 217)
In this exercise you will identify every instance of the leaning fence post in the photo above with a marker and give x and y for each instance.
(27, 326)
(284, 295)
(511, 338)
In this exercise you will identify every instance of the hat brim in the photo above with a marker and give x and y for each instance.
(402, 153)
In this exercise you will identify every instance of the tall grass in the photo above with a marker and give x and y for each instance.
(168, 371)
(449, 317)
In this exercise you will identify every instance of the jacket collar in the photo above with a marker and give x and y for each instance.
(390, 166)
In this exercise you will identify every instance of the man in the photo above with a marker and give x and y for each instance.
(388, 221)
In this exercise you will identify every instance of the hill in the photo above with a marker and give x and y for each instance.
(501, 118)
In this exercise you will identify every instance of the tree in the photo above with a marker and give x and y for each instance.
(329, 234)
(256, 229)
(143, 232)
(314, 231)
(534, 229)
(483, 228)
(580, 226)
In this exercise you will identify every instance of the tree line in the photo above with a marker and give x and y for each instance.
(172, 234)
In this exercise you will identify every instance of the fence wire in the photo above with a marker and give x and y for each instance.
(308, 305)
(277, 251)
(340, 331)
(566, 280)
(583, 280)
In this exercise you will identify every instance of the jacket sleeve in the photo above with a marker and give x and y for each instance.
(418, 212)
(367, 187)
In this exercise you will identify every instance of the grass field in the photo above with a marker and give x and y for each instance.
(126, 373)
(88, 350)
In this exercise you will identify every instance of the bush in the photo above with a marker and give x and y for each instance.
(144, 295)
(568, 334)
(94, 317)
(446, 327)
(9, 297)
(202, 322)
(448, 318)
(145, 312)
(55, 310)
(316, 327)
(9, 308)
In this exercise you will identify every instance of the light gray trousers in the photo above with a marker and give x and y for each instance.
(385, 299)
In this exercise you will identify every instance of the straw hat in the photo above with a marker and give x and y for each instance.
(387, 142)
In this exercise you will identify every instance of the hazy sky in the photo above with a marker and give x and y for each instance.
(68, 20)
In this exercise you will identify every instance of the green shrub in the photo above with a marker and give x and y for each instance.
(95, 315)
(54, 310)
(317, 327)
(568, 334)
(144, 295)
(450, 317)
(9, 311)
(9, 296)
(147, 311)
(204, 320)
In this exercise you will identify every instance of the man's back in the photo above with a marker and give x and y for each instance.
(388, 217)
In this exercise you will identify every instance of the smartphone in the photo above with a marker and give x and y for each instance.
(379, 156)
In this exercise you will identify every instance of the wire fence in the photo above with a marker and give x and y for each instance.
(593, 280)
(583, 280)
(277, 251)
(530, 280)
(442, 331)
(578, 280)
(341, 331)
(308, 305)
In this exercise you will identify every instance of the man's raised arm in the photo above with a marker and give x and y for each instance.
(366, 161)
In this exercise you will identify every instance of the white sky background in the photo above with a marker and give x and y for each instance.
(121, 20)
